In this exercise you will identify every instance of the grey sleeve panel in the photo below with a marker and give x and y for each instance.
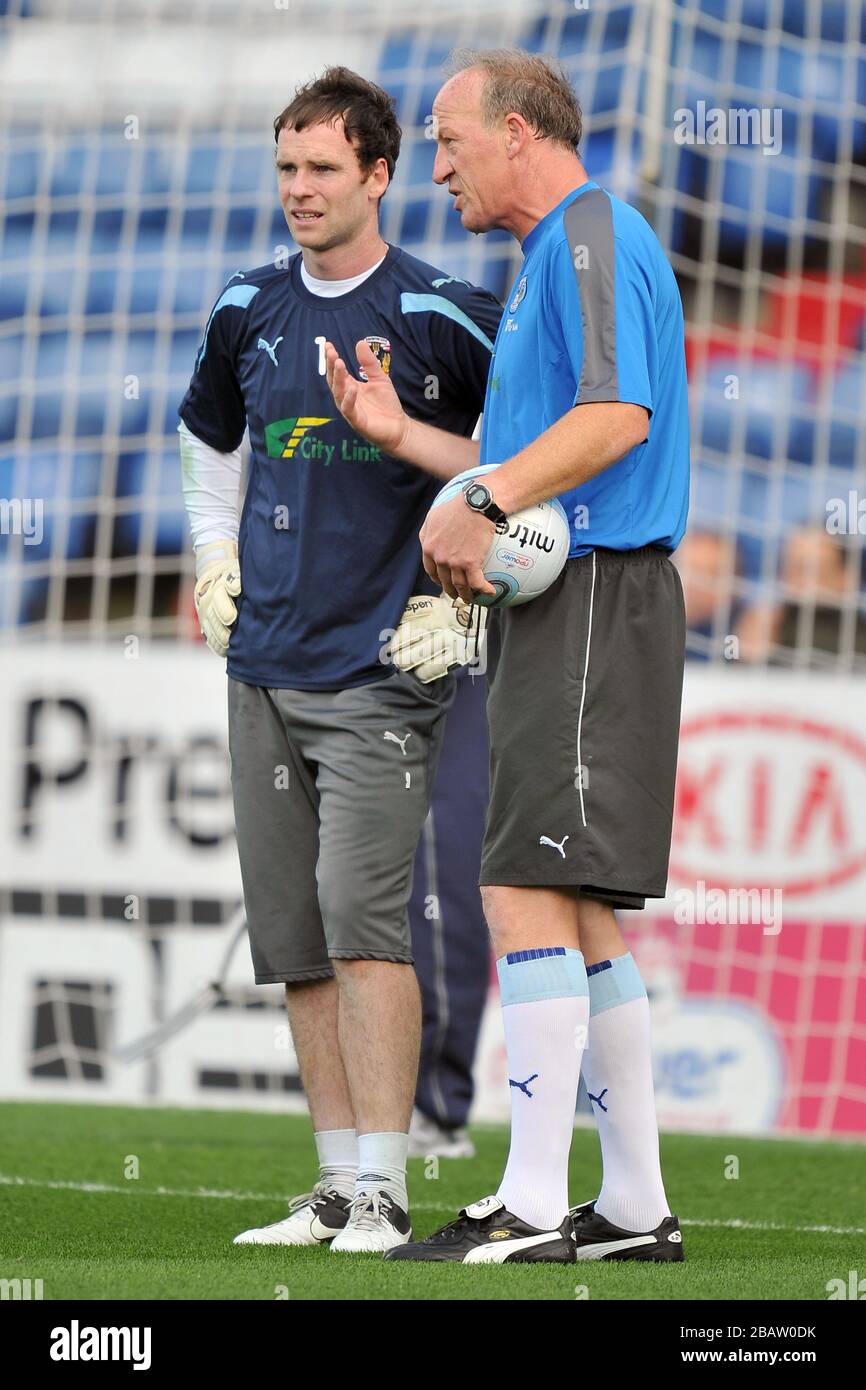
(589, 229)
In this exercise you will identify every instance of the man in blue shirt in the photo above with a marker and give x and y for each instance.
(333, 749)
(586, 401)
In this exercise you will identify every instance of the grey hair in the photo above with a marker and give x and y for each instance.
(538, 89)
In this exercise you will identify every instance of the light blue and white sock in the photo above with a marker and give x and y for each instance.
(382, 1164)
(545, 1008)
(617, 1069)
(338, 1159)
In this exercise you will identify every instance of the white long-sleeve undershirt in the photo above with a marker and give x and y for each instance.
(211, 488)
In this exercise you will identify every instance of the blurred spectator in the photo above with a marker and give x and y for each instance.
(708, 566)
(820, 623)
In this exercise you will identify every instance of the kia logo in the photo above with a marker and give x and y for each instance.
(768, 800)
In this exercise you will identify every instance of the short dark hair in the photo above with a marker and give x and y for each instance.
(368, 114)
(536, 88)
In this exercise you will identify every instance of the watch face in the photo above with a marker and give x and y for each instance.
(477, 495)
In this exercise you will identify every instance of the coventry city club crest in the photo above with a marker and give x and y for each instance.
(382, 348)
(519, 296)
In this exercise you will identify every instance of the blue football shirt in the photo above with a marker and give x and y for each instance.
(595, 315)
(328, 542)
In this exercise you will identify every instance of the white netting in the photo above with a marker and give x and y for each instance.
(137, 176)
(136, 169)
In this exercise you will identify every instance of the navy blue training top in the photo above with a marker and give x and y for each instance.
(328, 543)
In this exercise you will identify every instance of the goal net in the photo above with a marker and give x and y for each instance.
(136, 170)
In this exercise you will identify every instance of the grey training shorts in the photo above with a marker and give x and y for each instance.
(331, 791)
(585, 686)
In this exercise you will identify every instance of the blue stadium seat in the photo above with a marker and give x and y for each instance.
(711, 491)
(277, 236)
(67, 531)
(597, 150)
(817, 79)
(52, 356)
(190, 287)
(578, 29)
(145, 284)
(603, 91)
(99, 347)
(114, 166)
(240, 226)
(90, 413)
(61, 233)
(772, 416)
(848, 424)
(762, 500)
(13, 295)
(396, 51)
(151, 228)
(107, 230)
(413, 222)
(68, 163)
(134, 414)
(797, 17)
(697, 54)
(16, 235)
(765, 192)
(47, 407)
(11, 356)
(203, 168)
(416, 165)
(58, 291)
(414, 112)
(252, 170)
(195, 228)
(8, 419)
(751, 59)
(157, 168)
(102, 285)
(805, 81)
(21, 172)
(184, 345)
(766, 513)
(157, 480)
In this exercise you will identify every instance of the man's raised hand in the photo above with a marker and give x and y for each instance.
(371, 407)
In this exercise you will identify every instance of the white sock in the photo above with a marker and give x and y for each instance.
(545, 1008)
(338, 1159)
(617, 1069)
(382, 1164)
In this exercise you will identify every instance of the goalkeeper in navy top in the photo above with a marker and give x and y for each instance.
(333, 747)
(586, 402)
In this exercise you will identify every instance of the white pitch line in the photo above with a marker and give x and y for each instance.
(735, 1225)
(133, 1187)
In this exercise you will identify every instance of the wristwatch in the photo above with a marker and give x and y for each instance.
(480, 499)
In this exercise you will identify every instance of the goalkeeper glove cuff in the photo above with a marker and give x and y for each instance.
(436, 634)
(218, 584)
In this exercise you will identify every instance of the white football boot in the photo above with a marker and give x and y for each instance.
(375, 1225)
(314, 1219)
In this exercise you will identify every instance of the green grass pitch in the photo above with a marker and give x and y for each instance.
(792, 1220)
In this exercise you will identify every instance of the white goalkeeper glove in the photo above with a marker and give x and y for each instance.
(218, 584)
(436, 633)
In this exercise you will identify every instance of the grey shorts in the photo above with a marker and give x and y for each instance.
(585, 686)
(331, 791)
